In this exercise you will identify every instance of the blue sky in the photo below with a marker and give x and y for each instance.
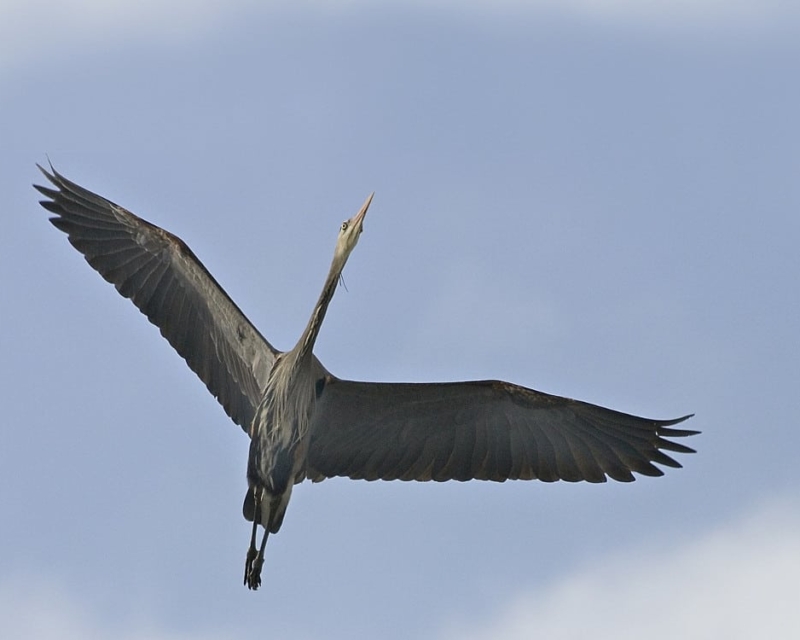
(588, 198)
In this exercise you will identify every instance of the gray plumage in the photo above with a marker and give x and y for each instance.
(304, 422)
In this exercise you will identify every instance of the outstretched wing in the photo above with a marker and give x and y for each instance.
(486, 430)
(167, 282)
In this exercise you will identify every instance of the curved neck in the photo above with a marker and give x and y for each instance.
(305, 345)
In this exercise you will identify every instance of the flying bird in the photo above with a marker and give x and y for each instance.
(305, 423)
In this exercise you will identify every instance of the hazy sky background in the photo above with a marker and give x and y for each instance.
(595, 199)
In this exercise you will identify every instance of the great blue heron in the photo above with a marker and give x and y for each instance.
(304, 422)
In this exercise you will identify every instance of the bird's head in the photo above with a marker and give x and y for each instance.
(350, 231)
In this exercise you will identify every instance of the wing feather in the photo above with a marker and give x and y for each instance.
(160, 274)
(487, 430)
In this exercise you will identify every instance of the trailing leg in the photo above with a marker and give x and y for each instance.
(252, 554)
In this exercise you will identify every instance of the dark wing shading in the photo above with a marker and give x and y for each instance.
(167, 282)
(485, 430)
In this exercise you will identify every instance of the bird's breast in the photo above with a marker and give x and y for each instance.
(279, 441)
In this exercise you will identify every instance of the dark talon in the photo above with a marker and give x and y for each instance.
(254, 562)
(253, 579)
(248, 564)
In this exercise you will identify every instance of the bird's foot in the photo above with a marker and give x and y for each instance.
(252, 569)
(248, 563)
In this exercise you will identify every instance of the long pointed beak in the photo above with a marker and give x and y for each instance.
(358, 219)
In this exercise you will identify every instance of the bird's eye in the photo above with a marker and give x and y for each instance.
(344, 225)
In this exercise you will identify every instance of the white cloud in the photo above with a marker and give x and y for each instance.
(41, 611)
(739, 581)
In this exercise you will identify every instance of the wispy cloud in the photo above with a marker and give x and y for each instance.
(735, 581)
(38, 611)
(40, 28)
(738, 581)
(743, 14)
(31, 28)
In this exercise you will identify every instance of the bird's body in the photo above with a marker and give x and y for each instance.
(279, 439)
(304, 422)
